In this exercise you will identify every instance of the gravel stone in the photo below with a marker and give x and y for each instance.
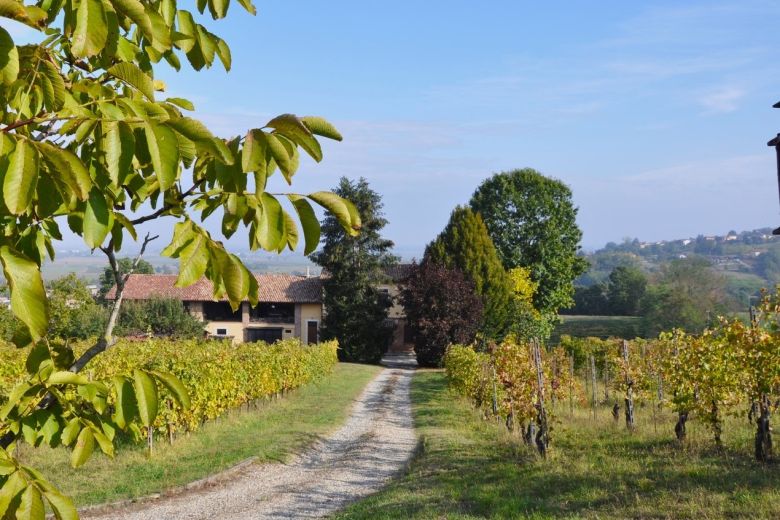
(374, 445)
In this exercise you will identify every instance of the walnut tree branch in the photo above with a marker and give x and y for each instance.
(108, 339)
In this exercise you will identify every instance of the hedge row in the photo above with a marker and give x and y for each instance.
(217, 375)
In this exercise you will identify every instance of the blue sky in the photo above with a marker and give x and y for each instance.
(655, 113)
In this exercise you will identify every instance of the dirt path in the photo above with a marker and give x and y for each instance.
(374, 444)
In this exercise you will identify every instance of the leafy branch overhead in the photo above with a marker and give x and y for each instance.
(88, 140)
(85, 142)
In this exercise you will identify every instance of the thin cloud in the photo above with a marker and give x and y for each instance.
(723, 100)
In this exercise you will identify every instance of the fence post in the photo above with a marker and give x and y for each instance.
(629, 389)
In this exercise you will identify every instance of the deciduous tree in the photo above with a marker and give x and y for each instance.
(442, 308)
(532, 222)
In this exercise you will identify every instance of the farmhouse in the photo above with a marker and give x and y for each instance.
(289, 306)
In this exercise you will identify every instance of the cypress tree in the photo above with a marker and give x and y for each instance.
(465, 244)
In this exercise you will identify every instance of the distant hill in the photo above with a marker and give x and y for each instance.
(749, 259)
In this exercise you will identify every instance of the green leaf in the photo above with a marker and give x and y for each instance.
(134, 10)
(161, 32)
(28, 297)
(68, 168)
(218, 8)
(119, 145)
(65, 377)
(146, 396)
(247, 4)
(164, 151)
(132, 75)
(223, 52)
(126, 407)
(91, 33)
(182, 103)
(197, 132)
(98, 219)
(293, 128)
(31, 506)
(10, 490)
(106, 446)
(21, 178)
(71, 431)
(193, 261)
(85, 444)
(291, 232)
(309, 223)
(52, 74)
(9, 59)
(280, 155)
(50, 429)
(61, 505)
(270, 229)
(319, 126)
(342, 209)
(174, 387)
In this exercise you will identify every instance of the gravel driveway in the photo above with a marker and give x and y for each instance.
(374, 445)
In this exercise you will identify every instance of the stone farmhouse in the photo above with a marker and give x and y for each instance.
(289, 306)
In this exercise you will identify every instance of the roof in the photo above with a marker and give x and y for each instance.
(398, 272)
(283, 288)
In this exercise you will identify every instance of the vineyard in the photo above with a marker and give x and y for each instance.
(731, 370)
(216, 377)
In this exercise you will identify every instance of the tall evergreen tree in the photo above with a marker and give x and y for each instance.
(355, 310)
(465, 244)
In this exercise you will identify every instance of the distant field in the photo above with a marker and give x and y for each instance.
(628, 327)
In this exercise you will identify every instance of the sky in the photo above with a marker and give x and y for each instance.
(656, 114)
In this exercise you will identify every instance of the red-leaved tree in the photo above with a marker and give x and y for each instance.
(442, 308)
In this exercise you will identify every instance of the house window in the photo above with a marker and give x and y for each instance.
(221, 332)
(273, 312)
(220, 311)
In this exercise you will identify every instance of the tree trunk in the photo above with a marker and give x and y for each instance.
(593, 384)
(679, 428)
(763, 432)
(717, 424)
(571, 386)
(529, 434)
(542, 434)
(629, 399)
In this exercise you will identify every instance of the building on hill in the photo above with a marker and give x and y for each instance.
(289, 306)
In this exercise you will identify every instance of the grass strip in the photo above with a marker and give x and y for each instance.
(272, 433)
(472, 468)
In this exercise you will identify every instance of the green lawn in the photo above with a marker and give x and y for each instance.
(628, 327)
(276, 430)
(470, 468)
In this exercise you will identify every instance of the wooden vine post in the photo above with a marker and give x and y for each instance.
(629, 399)
(593, 385)
(542, 433)
(571, 386)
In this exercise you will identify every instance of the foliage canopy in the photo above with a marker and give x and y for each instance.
(87, 141)
(532, 222)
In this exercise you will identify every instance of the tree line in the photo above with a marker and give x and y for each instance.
(504, 264)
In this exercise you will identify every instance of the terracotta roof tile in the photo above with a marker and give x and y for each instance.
(271, 288)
